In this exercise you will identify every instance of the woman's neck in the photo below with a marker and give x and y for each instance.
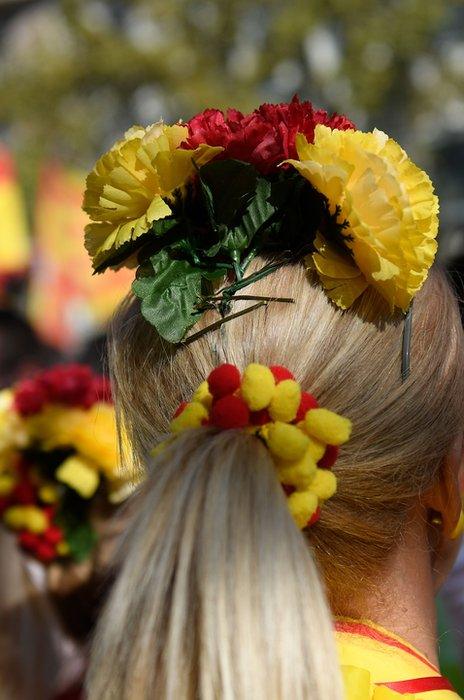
(403, 599)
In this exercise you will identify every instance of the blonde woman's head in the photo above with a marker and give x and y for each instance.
(402, 432)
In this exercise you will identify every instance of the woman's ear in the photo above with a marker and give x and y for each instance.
(445, 498)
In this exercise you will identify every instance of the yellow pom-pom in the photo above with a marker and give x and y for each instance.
(299, 473)
(63, 548)
(80, 474)
(26, 518)
(316, 449)
(203, 396)
(324, 484)
(258, 386)
(48, 493)
(303, 505)
(286, 400)
(286, 441)
(192, 416)
(328, 426)
(7, 484)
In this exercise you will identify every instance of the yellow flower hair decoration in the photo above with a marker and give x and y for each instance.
(390, 210)
(191, 205)
(58, 452)
(131, 185)
(302, 438)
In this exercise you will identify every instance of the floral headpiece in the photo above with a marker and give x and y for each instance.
(58, 450)
(192, 204)
(303, 439)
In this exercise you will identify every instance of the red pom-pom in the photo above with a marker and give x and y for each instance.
(230, 412)
(329, 457)
(23, 493)
(30, 397)
(180, 409)
(280, 373)
(224, 380)
(307, 402)
(314, 518)
(53, 534)
(45, 552)
(28, 540)
(260, 417)
(288, 490)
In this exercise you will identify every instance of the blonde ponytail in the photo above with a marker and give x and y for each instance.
(402, 431)
(218, 594)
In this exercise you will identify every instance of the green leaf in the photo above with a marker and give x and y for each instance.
(227, 186)
(169, 290)
(81, 538)
(126, 250)
(255, 217)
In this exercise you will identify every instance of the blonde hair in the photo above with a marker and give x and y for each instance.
(217, 594)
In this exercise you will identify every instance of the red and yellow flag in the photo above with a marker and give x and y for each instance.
(14, 240)
(67, 303)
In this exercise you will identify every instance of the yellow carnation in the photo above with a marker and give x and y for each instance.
(131, 185)
(91, 432)
(13, 433)
(94, 436)
(390, 207)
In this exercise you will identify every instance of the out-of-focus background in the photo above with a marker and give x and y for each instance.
(75, 74)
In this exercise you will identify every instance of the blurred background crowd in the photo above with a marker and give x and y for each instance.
(75, 74)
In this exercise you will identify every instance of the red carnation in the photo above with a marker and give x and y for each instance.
(263, 138)
(69, 384)
(101, 390)
(30, 397)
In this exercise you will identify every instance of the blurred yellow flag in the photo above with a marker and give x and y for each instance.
(15, 246)
(67, 304)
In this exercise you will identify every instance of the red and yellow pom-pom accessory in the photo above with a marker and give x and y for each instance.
(302, 438)
(58, 452)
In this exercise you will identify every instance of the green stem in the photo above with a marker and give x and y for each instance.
(217, 324)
